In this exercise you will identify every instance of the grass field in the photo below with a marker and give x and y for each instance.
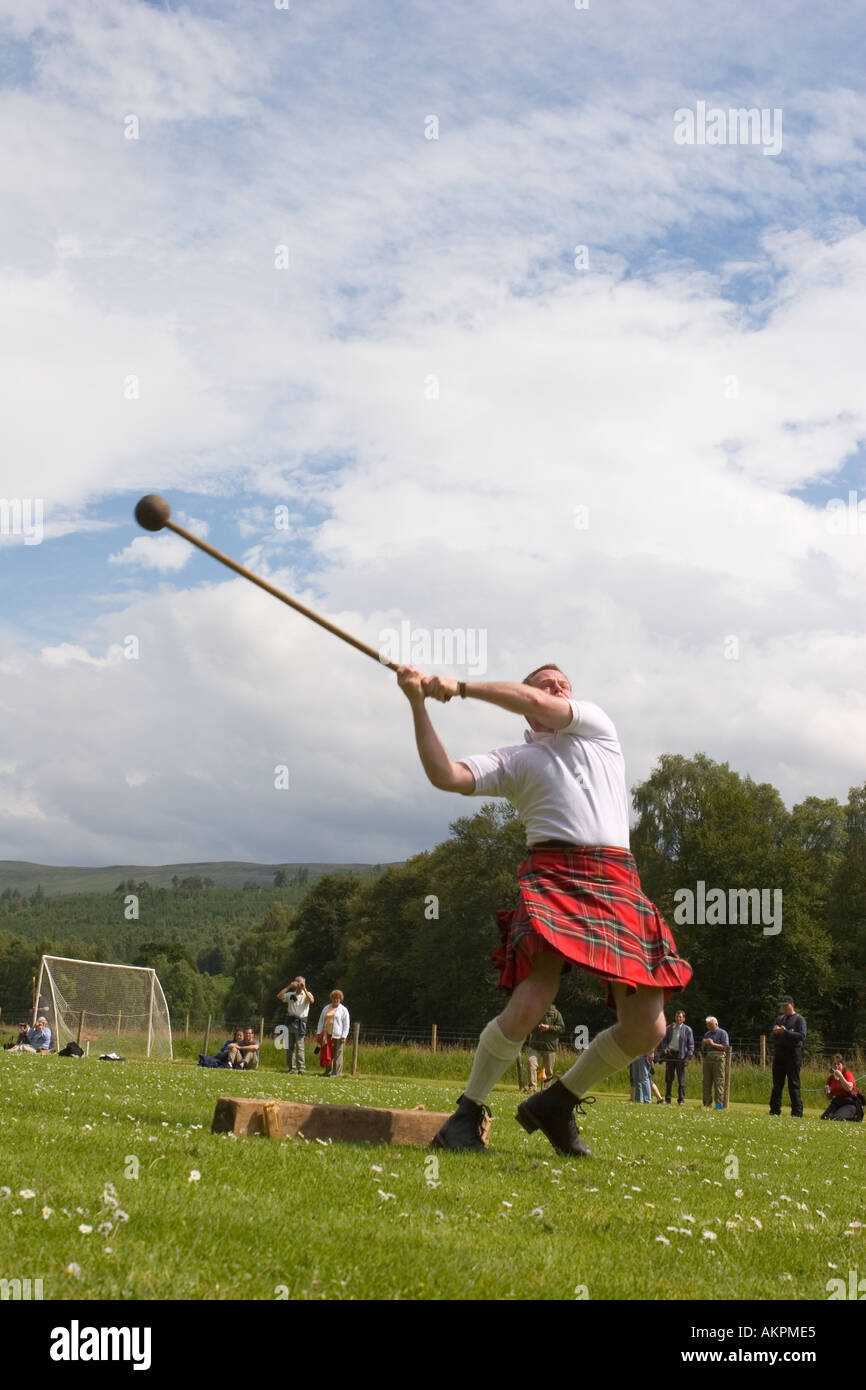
(676, 1203)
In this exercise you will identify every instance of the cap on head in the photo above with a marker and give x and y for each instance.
(786, 999)
(152, 512)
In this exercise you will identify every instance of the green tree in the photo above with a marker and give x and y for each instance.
(321, 930)
(264, 959)
(701, 822)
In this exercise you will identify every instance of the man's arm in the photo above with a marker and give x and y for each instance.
(441, 770)
(551, 710)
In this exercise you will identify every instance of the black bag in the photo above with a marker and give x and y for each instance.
(71, 1050)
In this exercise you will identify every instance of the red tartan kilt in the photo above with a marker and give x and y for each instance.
(587, 906)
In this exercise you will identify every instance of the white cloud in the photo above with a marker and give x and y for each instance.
(149, 342)
(168, 552)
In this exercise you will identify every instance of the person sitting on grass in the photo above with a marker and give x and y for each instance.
(38, 1039)
(244, 1055)
(227, 1052)
(846, 1102)
(20, 1041)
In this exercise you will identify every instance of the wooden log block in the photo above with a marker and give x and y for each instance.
(283, 1119)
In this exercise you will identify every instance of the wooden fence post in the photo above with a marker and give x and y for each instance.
(763, 1052)
(261, 1039)
(356, 1033)
(433, 1036)
(80, 1025)
(206, 1035)
(186, 1027)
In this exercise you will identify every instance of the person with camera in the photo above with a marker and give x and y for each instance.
(297, 999)
(846, 1102)
(676, 1049)
(38, 1038)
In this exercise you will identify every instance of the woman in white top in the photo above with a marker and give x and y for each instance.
(332, 1032)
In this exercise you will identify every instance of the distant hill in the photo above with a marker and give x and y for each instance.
(60, 881)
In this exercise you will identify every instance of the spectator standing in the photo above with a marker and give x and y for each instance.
(713, 1045)
(640, 1077)
(543, 1042)
(789, 1035)
(333, 1031)
(297, 999)
(676, 1049)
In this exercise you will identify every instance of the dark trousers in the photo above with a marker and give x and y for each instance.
(786, 1067)
(675, 1068)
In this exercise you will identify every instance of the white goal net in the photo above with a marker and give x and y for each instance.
(114, 1008)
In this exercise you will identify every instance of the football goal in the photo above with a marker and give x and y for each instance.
(116, 1008)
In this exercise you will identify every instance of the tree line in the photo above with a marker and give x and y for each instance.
(412, 945)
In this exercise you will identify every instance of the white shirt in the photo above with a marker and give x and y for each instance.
(297, 1008)
(341, 1021)
(565, 784)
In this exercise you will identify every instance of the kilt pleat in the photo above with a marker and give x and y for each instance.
(587, 905)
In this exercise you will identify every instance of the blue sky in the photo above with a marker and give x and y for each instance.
(431, 388)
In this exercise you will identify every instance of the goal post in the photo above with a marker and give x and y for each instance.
(119, 1008)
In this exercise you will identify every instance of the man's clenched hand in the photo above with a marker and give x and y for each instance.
(411, 682)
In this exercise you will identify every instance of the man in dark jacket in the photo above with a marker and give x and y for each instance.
(789, 1034)
(678, 1046)
(542, 1045)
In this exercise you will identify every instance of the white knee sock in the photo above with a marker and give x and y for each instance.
(492, 1059)
(603, 1056)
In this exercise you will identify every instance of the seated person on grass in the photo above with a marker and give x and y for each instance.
(247, 1051)
(38, 1038)
(20, 1041)
(228, 1053)
(846, 1102)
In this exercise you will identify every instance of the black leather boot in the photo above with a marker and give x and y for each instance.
(464, 1129)
(552, 1112)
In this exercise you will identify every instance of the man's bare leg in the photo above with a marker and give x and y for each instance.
(639, 1029)
(502, 1039)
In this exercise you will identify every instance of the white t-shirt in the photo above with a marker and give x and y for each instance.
(297, 1008)
(567, 784)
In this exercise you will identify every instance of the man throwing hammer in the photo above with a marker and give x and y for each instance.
(580, 896)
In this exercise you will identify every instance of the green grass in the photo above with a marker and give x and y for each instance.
(310, 1220)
